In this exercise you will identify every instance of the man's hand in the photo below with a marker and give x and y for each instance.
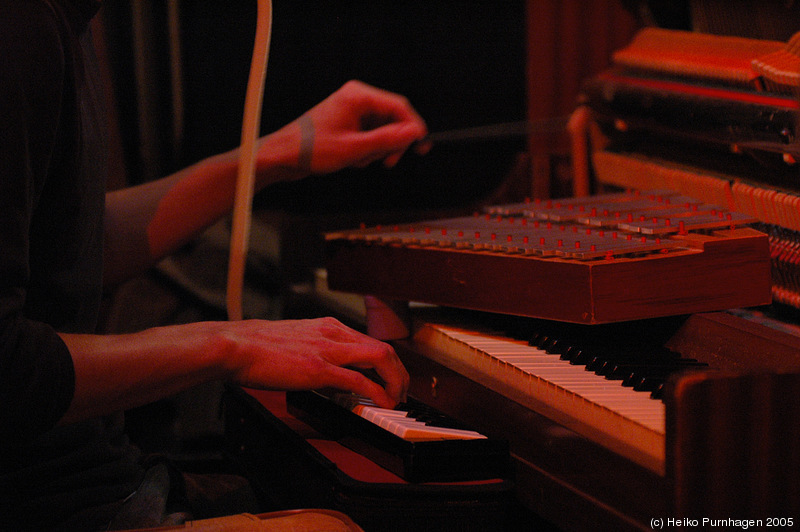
(119, 372)
(358, 125)
(312, 354)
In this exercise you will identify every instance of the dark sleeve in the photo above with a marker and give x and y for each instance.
(36, 372)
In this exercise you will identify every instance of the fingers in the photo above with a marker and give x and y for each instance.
(381, 107)
(368, 353)
(388, 143)
(360, 124)
(311, 354)
(352, 381)
(389, 123)
(394, 376)
(353, 349)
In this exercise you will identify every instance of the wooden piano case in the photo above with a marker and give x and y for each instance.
(732, 443)
(733, 437)
(732, 447)
(293, 466)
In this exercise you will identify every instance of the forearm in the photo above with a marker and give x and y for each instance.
(204, 192)
(114, 373)
(147, 222)
(355, 126)
(118, 372)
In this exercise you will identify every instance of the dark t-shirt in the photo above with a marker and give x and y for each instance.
(52, 187)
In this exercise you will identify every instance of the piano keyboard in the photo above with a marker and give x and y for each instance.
(415, 442)
(607, 409)
(406, 424)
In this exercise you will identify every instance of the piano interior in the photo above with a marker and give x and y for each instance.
(622, 387)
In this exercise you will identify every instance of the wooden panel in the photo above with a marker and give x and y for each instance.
(734, 446)
(717, 279)
(482, 281)
(566, 479)
(734, 344)
(731, 271)
(568, 42)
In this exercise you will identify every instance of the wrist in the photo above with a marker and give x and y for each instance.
(280, 158)
(222, 352)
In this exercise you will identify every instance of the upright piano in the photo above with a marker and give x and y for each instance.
(652, 387)
(620, 405)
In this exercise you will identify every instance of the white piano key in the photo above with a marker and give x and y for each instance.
(400, 423)
(557, 377)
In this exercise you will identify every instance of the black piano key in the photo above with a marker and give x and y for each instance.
(540, 341)
(606, 368)
(581, 357)
(650, 378)
(423, 413)
(637, 359)
(596, 363)
(649, 384)
(658, 392)
(623, 372)
(569, 353)
(555, 346)
(646, 375)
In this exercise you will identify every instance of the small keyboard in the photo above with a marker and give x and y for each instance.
(414, 441)
(412, 423)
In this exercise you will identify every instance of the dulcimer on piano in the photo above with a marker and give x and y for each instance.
(610, 258)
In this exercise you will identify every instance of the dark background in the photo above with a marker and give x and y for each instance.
(461, 64)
